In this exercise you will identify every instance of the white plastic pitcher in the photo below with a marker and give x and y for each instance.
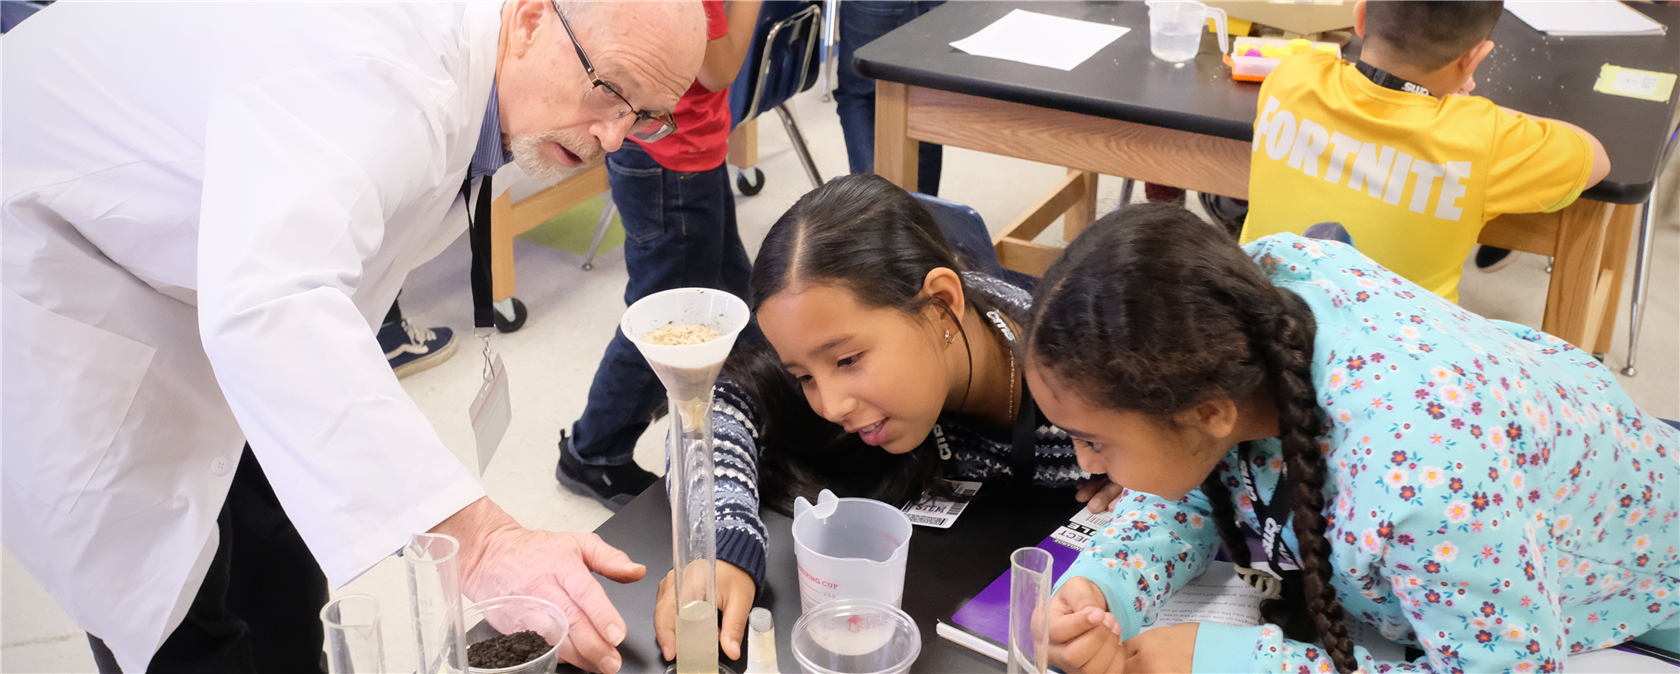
(1175, 29)
(849, 548)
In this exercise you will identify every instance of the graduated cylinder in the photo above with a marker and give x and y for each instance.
(688, 366)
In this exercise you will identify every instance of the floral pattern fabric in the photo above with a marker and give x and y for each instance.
(1494, 498)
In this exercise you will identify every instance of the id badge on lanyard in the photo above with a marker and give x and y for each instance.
(492, 410)
(1273, 516)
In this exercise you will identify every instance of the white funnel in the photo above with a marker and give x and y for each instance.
(688, 371)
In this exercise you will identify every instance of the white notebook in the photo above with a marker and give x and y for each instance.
(1584, 17)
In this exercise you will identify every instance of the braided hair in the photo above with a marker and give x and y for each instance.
(1154, 311)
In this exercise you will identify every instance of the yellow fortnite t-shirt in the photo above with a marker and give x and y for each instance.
(1412, 178)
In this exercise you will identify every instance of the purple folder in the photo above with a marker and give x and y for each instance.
(987, 614)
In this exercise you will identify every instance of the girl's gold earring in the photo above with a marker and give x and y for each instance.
(948, 337)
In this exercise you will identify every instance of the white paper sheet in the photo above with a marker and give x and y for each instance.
(1583, 17)
(1041, 40)
(1220, 595)
(1612, 661)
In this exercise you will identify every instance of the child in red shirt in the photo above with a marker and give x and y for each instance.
(678, 211)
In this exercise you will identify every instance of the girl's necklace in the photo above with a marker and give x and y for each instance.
(1009, 335)
(1010, 410)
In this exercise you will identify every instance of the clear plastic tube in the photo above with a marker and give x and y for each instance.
(434, 592)
(1030, 573)
(693, 534)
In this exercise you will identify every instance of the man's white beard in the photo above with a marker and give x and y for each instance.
(527, 153)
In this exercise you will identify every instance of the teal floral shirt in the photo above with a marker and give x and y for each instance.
(1494, 498)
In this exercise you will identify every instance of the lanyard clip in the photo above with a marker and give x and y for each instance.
(483, 335)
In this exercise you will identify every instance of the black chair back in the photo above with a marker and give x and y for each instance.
(782, 61)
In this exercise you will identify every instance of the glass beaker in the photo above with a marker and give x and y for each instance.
(353, 641)
(1175, 28)
(688, 372)
(855, 636)
(434, 595)
(1030, 571)
(492, 618)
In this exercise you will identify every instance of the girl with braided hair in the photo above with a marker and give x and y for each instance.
(1478, 490)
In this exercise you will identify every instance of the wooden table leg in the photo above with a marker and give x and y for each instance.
(508, 220)
(1577, 259)
(895, 151)
(1084, 212)
(503, 282)
(743, 144)
(1617, 240)
(1015, 246)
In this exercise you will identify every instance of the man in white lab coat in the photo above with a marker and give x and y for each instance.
(206, 209)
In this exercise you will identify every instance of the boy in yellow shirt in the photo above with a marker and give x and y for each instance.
(1395, 149)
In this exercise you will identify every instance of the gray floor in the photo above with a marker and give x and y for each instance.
(573, 314)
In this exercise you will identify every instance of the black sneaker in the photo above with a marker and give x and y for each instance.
(1225, 211)
(613, 486)
(411, 349)
(1329, 231)
(1490, 259)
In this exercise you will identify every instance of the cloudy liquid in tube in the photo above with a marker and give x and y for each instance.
(697, 637)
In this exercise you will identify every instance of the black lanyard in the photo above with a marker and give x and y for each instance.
(1273, 516)
(478, 234)
(1023, 453)
(1023, 457)
(1388, 80)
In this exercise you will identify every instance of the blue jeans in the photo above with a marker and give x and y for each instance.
(679, 231)
(861, 21)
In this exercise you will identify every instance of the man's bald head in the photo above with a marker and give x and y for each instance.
(650, 52)
(666, 40)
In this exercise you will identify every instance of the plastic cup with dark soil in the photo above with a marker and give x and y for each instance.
(514, 635)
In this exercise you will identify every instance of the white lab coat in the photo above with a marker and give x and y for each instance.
(206, 209)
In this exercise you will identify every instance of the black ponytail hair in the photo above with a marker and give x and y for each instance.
(870, 237)
(1152, 310)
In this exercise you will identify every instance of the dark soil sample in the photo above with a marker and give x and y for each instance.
(507, 650)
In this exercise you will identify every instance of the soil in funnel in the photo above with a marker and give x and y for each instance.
(507, 650)
(680, 335)
(690, 386)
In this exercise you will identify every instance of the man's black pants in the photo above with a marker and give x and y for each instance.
(259, 607)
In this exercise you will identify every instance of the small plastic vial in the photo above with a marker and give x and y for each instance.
(761, 642)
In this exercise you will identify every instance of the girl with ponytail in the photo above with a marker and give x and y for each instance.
(889, 366)
(1480, 491)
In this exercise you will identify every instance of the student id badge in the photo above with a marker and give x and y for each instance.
(491, 411)
(941, 513)
(1078, 531)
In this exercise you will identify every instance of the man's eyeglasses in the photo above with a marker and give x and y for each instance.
(648, 126)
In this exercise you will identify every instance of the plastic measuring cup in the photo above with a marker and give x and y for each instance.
(353, 641)
(855, 636)
(492, 618)
(849, 548)
(1175, 29)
